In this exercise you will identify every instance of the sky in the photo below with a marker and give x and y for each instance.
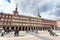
(48, 9)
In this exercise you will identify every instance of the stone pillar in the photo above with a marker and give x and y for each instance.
(35, 28)
(30, 28)
(14, 28)
(18, 27)
(42, 28)
(10, 28)
(5, 27)
(51, 28)
(27, 28)
(54, 28)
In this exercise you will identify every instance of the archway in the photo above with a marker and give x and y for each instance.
(20, 28)
(7, 28)
(12, 28)
(23, 28)
(4, 28)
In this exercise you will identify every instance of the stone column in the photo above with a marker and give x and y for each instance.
(10, 28)
(5, 27)
(35, 28)
(18, 27)
(14, 28)
(42, 28)
(27, 28)
(54, 28)
(51, 28)
(30, 28)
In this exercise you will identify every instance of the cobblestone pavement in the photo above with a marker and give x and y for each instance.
(42, 35)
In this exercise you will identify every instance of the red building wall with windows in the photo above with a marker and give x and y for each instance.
(49, 23)
(5, 19)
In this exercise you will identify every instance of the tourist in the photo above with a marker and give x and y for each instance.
(16, 33)
(2, 33)
(37, 31)
(51, 32)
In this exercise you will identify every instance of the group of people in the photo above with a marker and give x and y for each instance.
(52, 33)
(16, 32)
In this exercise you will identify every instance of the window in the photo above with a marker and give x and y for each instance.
(13, 20)
(18, 17)
(9, 16)
(20, 20)
(8, 23)
(4, 23)
(1, 23)
(2, 19)
(6, 16)
(3, 15)
(20, 24)
(16, 23)
(13, 24)
(8, 19)
(5, 19)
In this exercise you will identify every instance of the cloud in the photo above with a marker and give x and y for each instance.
(49, 9)
(6, 6)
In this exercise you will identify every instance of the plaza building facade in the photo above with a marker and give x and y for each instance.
(13, 21)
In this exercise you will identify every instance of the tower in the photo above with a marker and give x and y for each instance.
(15, 12)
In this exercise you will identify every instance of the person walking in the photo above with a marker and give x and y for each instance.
(36, 31)
(16, 33)
(2, 34)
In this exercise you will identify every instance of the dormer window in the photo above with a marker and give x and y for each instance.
(6, 16)
(3, 16)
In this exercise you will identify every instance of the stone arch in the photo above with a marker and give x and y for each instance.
(26, 28)
(29, 28)
(20, 28)
(12, 28)
(23, 28)
(3, 27)
(7, 28)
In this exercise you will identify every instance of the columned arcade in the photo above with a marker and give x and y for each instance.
(26, 28)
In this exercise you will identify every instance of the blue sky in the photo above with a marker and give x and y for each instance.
(49, 9)
(9, 1)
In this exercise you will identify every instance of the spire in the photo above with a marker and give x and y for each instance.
(16, 7)
(15, 11)
(38, 13)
